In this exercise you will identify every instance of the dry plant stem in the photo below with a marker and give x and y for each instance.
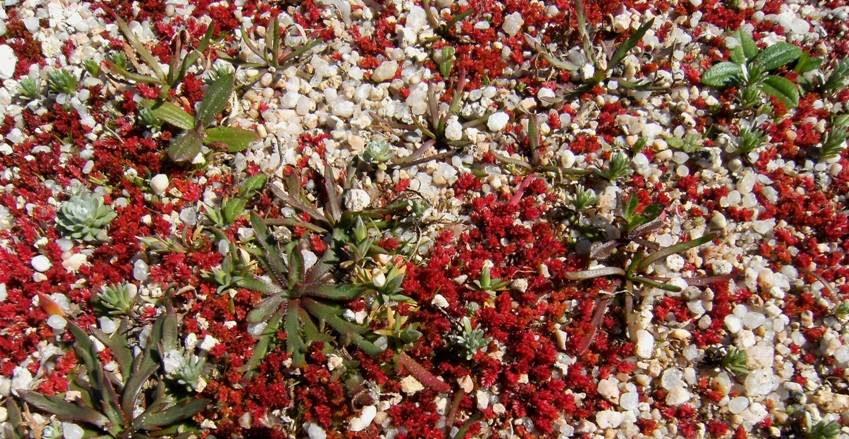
(452, 414)
(422, 374)
(822, 280)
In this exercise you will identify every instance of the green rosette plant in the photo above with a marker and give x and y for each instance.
(85, 216)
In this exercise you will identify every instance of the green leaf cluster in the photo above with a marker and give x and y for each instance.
(749, 68)
(177, 70)
(122, 405)
(196, 132)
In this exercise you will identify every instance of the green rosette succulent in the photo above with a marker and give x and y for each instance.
(85, 217)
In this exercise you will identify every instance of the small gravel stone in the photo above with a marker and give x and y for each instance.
(760, 383)
(57, 322)
(733, 323)
(738, 404)
(8, 61)
(356, 200)
(41, 263)
(385, 71)
(72, 431)
(314, 431)
(608, 419)
(645, 344)
(159, 183)
(364, 420)
(497, 121)
(513, 23)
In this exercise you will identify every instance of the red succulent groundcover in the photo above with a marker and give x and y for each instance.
(424, 219)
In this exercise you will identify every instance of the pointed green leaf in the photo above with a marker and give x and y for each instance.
(141, 373)
(777, 55)
(336, 292)
(311, 332)
(722, 74)
(233, 209)
(656, 284)
(807, 63)
(119, 346)
(748, 47)
(215, 100)
(331, 316)
(270, 253)
(294, 343)
(64, 410)
(185, 147)
(148, 57)
(236, 138)
(629, 44)
(153, 420)
(782, 88)
(673, 249)
(365, 345)
(252, 185)
(334, 204)
(144, 79)
(304, 49)
(173, 114)
(296, 267)
(262, 345)
(265, 309)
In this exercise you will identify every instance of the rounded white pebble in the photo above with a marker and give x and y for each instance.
(314, 431)
(645, 344)
(107, 325)
(365, 418)
(72, 431)
(497, 121)
(356, 200)
(140, 270)
(159, 183)
(40, 263)
(57, 322)
(738, 404)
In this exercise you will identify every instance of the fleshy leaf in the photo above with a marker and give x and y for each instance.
(336, 292)
(265, 309)
(252, 184)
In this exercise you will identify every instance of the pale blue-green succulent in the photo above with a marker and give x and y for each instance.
(85, 217)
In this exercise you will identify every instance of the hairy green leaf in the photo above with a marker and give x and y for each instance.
(173, 114)
(252, 185)
(777, 55)
(236, 138)
(185, 147)
(215, 100)
(722, 74)
(265, 309)
(65, 410)
(156, 419)
(781, 88)
(336, 292)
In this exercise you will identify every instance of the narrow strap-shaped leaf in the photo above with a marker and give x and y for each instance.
(336, 292)
(331, 316)
(457, 18)
(144, 79)
(186, 146)
(272, 42)
(170, 326)
(119, 347)
(65, 410)
(297, 203)
(173, 114)
(265, 309)
(302, 50)
(750, 48)
(272, 256)
(148, 57)
(365, 345)
(297, 268)
(722, 74)
(333, 202)
(629, 44)
(423, 375)
(261, 348)
(237, 139)
(656, 284)
(591, 274)
(134, 385)
(672, 249)
(311, 332)
(176, 413)
(233, 209)
(215, 100)
(782, 88)
(294, 343)
(296, 223)
(777, 55)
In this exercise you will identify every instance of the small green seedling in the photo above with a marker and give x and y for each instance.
(178, 68)
(62, 81)
(834, 140)
(749, 140)
(749, 69)
(735, 361)
(196, 133)
(617, 168)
